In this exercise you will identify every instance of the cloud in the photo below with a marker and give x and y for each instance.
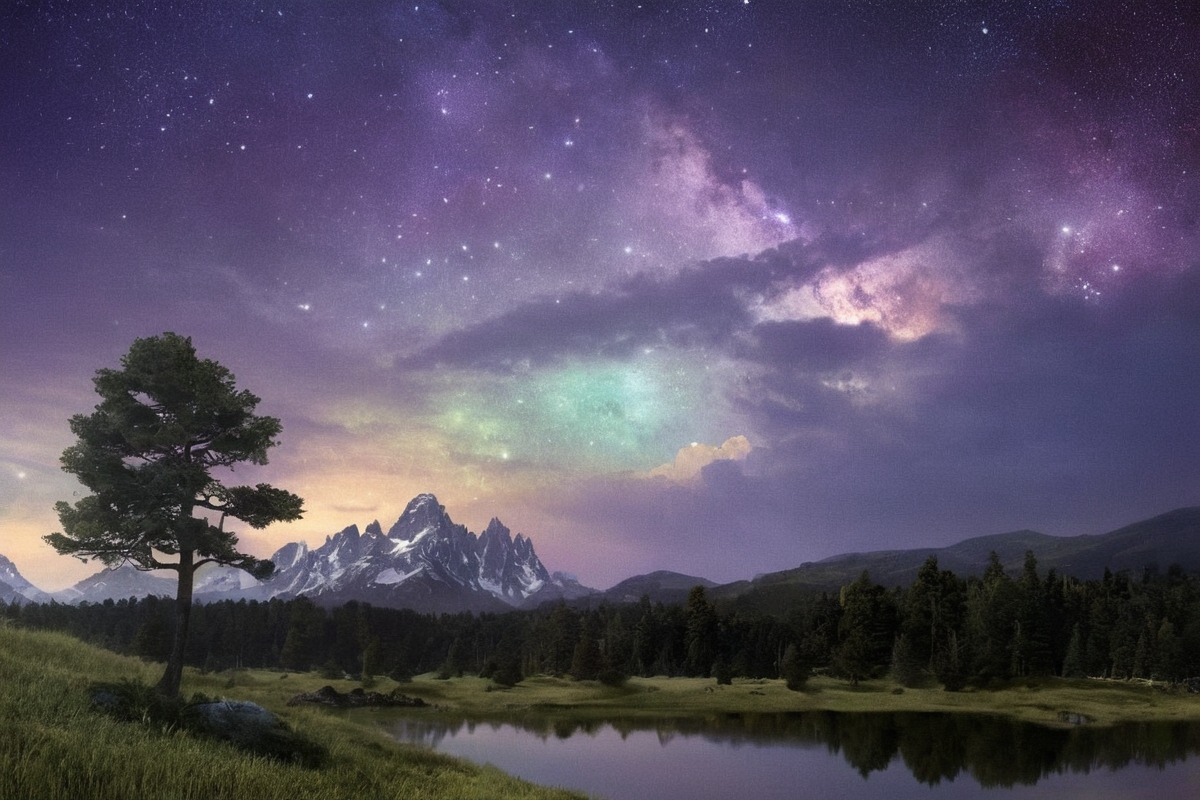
(699, 306)
(691, 460)
(908, 293)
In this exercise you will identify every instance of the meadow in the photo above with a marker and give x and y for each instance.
(1037, 700)
(53, 745)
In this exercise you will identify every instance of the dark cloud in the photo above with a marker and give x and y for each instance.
(702, 305)
(1056, 414)
(818, 345)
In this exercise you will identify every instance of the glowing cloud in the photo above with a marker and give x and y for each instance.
(690, 460)
(905, 293)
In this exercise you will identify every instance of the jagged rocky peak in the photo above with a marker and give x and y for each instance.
(345, 541)
(374, 528)
(289, 555)
(523, 547)
(496, 530)
(422, 514)
(347, 536)
(508, 567)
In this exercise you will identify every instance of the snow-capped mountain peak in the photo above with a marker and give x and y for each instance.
(14, 588)
(422, 514)
(424, 561)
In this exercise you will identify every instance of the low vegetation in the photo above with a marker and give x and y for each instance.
(55, 746)
(1042, 701)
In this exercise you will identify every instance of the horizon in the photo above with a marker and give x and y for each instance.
(362, 529)
(718, 290)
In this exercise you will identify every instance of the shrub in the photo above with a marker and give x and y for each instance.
(722, 672)
(612, 677)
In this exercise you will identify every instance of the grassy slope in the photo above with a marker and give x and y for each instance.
(52, 747)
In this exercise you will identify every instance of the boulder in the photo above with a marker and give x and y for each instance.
(250, 727)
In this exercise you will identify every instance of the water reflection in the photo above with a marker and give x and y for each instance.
(934, 748)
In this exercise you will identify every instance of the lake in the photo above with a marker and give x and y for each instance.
(825, 754)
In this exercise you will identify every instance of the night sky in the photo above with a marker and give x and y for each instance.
(718, 287)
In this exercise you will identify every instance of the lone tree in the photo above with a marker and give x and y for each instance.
(165, 422)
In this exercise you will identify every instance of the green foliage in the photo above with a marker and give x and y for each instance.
(1073, 662)
(611, 676)
(165, 421)
(865, 630)
(1149, 629)
(587, 661)
(907, 668)
(153, 639)
(795, 668)
(701, 636)
(507, 671)
(722, 671)
(950, 664)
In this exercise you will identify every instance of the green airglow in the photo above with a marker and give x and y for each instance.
(596, 416)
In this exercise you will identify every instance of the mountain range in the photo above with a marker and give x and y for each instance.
(428, 563)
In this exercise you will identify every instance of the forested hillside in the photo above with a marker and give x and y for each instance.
(941, 628)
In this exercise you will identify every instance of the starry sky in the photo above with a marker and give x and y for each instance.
(714, 286)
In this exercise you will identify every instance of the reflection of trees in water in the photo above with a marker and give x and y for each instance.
(997, 752)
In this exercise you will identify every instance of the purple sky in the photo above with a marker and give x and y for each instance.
(718, 287)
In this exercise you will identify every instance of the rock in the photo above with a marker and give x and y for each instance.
(250, 727)
(230, 716)
(1074, 718)
(356, 698)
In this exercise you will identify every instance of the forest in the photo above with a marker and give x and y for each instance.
(940, 630)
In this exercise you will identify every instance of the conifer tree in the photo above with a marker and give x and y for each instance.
(166, 422)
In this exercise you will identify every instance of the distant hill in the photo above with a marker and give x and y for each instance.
(1159, 542)
(663, 586)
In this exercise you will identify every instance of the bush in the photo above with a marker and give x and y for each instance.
(722, 672)
(508, 673)
(612, 677)
(795, 669)
(906, 667)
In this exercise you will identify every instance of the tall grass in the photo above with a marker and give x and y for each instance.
(54, 747)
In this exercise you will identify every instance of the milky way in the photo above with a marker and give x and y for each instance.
(710, 286)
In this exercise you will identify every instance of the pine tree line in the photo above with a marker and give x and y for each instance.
(941, 628)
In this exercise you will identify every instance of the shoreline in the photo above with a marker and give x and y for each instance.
(1052, 702)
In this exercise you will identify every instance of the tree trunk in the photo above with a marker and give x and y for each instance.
(169, 683)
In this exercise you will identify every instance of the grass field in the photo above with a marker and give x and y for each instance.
(53, 747)
(1038, 701)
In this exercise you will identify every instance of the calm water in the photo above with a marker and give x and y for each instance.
(823, 754)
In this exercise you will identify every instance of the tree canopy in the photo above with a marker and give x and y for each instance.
(166, 421)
